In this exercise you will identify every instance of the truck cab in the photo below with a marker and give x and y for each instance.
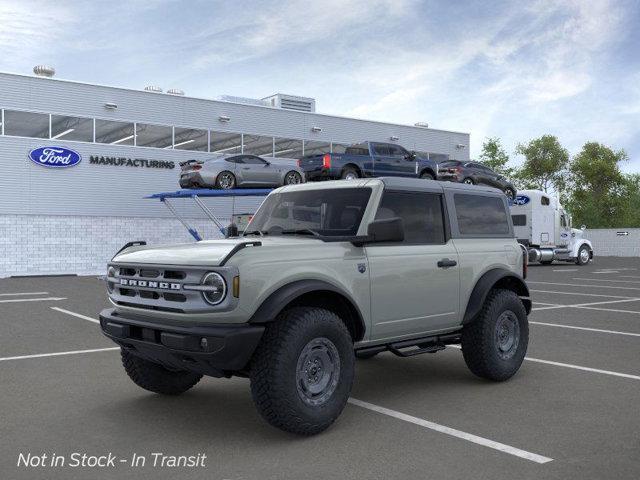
(543, 226)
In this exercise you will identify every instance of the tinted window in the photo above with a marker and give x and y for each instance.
(26, 124)
(544, 200)
(253, 160)
(72, 128)
(519, 220)
(381, 149)
(397, 151)
(480, 215)
(450, 163)
(421, 214)
(357, 151)
(234, 160)
(334, 212)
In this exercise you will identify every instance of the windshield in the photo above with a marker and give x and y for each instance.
(326, 212)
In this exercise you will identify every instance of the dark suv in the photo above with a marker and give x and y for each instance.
(474, 173)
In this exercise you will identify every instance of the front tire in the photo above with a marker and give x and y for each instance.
(584, 255)
(495, 343)
(225, 180)
(155, 378)
(302, 371)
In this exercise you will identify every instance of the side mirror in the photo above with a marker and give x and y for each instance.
(387, 230)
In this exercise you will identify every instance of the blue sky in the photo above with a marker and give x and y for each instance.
(515, 70)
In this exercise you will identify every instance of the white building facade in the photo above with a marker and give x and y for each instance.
(130, 143)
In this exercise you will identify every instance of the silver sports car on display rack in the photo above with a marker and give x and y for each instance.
(233, 171)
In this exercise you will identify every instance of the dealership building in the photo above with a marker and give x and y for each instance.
(129, 144)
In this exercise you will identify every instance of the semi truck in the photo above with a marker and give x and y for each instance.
(543, 226)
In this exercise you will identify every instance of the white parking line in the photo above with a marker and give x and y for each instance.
(628, 276)
(604, 280)
(485, 442)
(587, 305)
(575, 367)
(583, 294)
(565, 269)
(57, 354)
(597, 330)
(16, 300)
(590, 286)
(22, 293)
(84, 317)
(610, 310)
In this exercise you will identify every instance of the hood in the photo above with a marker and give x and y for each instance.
(577, 233)
(207, 252)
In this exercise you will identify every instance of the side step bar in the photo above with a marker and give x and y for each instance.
(416, 346)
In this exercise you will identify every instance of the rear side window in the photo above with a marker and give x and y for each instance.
(421, 214)
(381, 149)
(519, 220)
(544, 201)
(480, 215)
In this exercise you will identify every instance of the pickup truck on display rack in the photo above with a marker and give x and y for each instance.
(368, 159)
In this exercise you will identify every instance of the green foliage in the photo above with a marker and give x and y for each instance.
(495, 157)
(599, 192)
(545, 165)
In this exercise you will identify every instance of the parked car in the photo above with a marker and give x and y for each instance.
(474, 173)
(231, 171)
(368, 159)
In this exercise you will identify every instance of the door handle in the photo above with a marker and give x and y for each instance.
(246, 168)
(446, 263)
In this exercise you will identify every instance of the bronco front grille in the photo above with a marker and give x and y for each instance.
(158, 288)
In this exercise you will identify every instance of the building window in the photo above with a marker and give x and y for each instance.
(190, 139)
(287, 148)
(258, 145)
(157, 136)
(26, 124)
(312, 147)
(338, 147)
(226, 143)
(72, 128)
(114, 133)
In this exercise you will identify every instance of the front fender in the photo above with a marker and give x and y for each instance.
(579, 243)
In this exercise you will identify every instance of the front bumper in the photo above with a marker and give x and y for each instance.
(215, 350)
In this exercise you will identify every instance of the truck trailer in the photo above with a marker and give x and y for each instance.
(543, 226)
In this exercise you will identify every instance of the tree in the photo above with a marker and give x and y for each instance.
(631, 210)
(600, 193)
(495, 157)
(545, 164)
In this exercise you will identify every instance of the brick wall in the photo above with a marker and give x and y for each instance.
(51, 245)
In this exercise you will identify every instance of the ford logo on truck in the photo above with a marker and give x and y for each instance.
(54, 157)
(521, 200)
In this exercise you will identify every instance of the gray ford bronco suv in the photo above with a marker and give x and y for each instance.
(325, 273)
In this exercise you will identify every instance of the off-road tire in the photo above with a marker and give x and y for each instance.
(579, 260)
(349, 171)
(480, 342)
(427, 176)
(155, 378)
(274, 368)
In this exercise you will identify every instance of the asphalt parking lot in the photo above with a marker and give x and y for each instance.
(571, 412)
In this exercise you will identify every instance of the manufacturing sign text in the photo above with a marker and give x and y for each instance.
(130, 162)
(55, 157)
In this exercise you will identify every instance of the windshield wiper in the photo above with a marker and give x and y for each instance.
(300, 231)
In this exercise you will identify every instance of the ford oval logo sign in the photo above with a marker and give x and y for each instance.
(55, 157)
(521, 200)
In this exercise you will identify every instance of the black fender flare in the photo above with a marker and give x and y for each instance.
(276, 301)
(497, 277)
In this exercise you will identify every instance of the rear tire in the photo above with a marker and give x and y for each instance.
(427, 176)
(225, 180)
(302, 370)
(349, 173)
(292, 178)
(155, 378)
(495, 343)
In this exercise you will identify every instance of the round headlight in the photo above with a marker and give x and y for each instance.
(217, 288)
(111, 273)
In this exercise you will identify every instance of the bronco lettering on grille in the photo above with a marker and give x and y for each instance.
(146, 283)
